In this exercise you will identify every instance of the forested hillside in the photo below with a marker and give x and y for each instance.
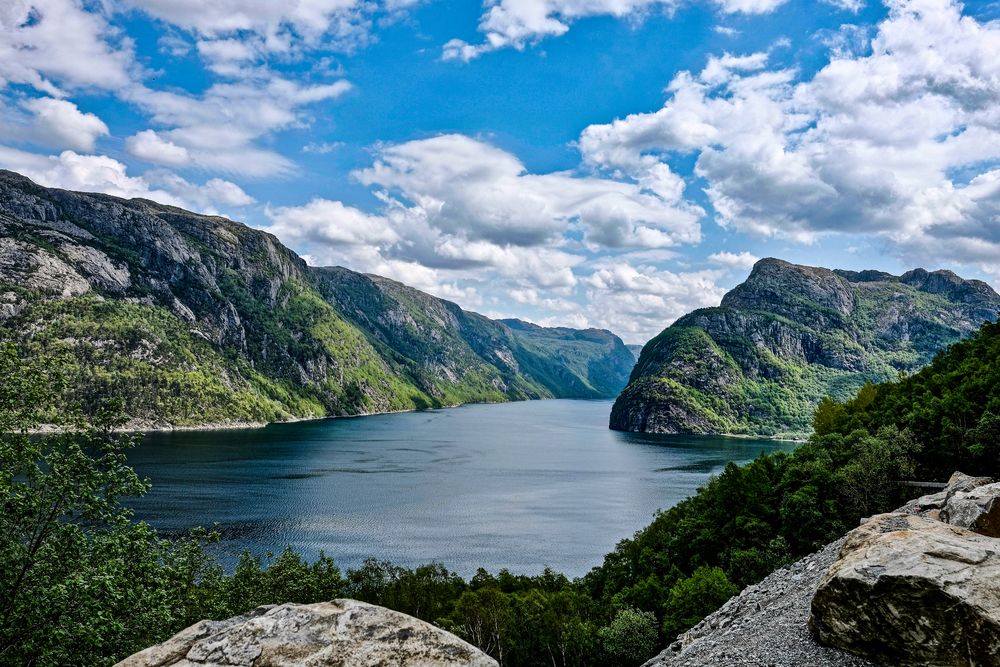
(194, 319)
(789, 336)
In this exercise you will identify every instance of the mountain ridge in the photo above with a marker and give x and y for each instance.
(789, 335)
(200, 319)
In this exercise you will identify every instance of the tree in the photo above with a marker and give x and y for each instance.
(694, 597)
(631, 637)
(483, 617)
(868, 480)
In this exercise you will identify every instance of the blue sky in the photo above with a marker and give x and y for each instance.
(610, 163)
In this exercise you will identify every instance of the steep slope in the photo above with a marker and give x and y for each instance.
(788, 336)
(589, 363)
(193, 319)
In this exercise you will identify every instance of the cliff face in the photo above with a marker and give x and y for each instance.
(196, 319)
(788, 336)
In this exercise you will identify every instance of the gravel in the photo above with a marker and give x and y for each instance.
(764, 626)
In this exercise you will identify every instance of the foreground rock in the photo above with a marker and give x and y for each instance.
(342, 633)
(909, 590)
(977, 510)
(764, 626)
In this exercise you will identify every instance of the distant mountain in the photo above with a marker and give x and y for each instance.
(194, 319)
(636, 350)
(788, 336)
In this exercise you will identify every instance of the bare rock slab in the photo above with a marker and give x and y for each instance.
(342, 633)
(907, 590)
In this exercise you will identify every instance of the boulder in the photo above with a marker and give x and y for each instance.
(977, 510)
(959, 482)
(907, 590)
(342, 633)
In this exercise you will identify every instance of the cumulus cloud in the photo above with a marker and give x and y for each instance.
(733, 260)
(466, 187)
(99, 173)
(56, 44)
(220, 128)
(61, 123)
(232, 33)
(517, 23)
(638, 301)
(150, 146)
(870, 144)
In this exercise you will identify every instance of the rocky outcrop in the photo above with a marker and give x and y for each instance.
(342, 633)
(789, 336)
(908, 589)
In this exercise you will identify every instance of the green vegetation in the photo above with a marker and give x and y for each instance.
(788, 337)
(192, 319)
(81, 583)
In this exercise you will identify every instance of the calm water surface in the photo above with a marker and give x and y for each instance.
(515, 485)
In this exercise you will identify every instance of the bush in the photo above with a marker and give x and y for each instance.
(631, 637)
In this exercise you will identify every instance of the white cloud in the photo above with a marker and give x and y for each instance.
(638, 301)
(322, 221)
(466, 187)
(98, 173)
(148, 145)
(56, 44)
(517, 23)
(90, 173)
(219, 130)
(61, 123)
(871, 144)
(733, 260)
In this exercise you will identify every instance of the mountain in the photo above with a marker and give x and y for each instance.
(194, 319)
(789, 336)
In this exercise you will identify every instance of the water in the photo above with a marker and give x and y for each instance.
(515, 485)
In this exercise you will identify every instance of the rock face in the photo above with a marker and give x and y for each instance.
(908, 590)
(192, 319)
(788, 336)
(342, 633)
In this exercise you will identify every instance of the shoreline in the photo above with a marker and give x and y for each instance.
(255, 425)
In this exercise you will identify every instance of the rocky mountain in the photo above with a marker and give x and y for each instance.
(194, 319)
(788, 336)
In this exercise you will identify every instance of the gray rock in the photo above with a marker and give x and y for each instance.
(342, 633)
(28, 266)
(977, 510)
(907, 591)
(764, 626)
(959, 482)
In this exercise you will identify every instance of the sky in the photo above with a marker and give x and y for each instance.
(604, 163)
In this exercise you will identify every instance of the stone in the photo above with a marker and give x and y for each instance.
(977, 510)
(341, 633)
(907, 590)
(959, 482)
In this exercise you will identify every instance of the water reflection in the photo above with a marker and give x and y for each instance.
(517, 485)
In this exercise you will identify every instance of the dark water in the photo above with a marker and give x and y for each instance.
(516, 485)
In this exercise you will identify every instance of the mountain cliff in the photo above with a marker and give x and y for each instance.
(193, 319)
(788, 336)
